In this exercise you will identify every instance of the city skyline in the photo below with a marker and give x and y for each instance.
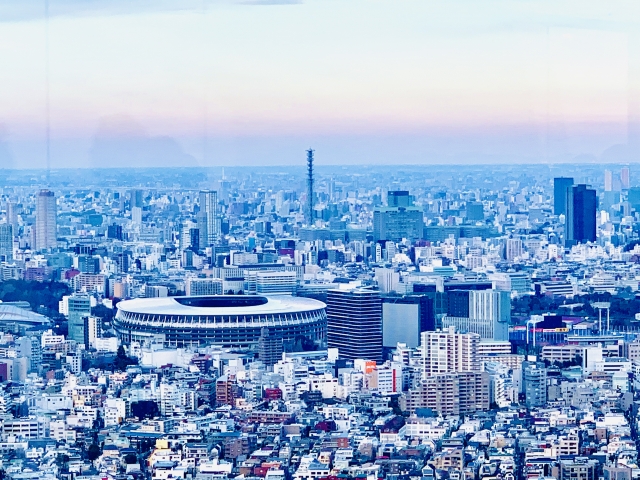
(246, 83)
(378, 306)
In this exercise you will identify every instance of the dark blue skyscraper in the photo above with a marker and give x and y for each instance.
(560, 186)
(580, 223)
(399, 198)
(354, 323)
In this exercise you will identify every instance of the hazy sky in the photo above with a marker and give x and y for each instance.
(222, 82)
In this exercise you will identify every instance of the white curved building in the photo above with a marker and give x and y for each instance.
(224, 320)
(12, 315)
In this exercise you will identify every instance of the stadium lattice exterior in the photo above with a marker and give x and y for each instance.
(231, 321)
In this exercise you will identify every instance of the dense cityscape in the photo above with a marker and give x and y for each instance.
(316, 322)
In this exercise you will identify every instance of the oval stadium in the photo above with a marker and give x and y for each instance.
(232, 321)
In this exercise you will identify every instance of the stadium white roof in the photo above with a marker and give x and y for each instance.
(11, 313)
(221, 305)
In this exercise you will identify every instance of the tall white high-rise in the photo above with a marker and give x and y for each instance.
(513, 249)
(388, 279)
(12, 215)
(208, 222)
(136, 215)
(445, 351)
(92, 330)
(46, 220)
(492, 304)
(488, 315)
(186, 237)
(624, 178)
(608, 181)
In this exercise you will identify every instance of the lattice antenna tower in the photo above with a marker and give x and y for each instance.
(310, 186)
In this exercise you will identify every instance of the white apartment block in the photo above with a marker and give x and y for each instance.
(613, 365)
(48, 338)
(633, 351)
(424, 428)
(106, 344)
(74, 361)
(174, 397)
(445, 351)
(494, 347)
(325, 383)
(265, 282)
(388, 378)
(88, 282)
(561, 353)
(28, 428)
(51, 402)
(203, 286)
(115, 411)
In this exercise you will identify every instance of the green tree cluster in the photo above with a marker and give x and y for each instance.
(106, 314)
(42, 296)
(624, 306)
(122, 360)
(535, 305)
(93, 452)
(145, 409)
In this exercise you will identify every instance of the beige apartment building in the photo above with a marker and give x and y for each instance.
(445, 351)
(457, 393)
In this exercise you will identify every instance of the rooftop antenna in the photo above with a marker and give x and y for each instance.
(310, 185)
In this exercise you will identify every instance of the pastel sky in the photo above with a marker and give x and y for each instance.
(223, 82)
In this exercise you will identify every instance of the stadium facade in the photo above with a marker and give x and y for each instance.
(231, 321)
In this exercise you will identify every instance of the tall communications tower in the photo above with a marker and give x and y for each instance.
(310, 186)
